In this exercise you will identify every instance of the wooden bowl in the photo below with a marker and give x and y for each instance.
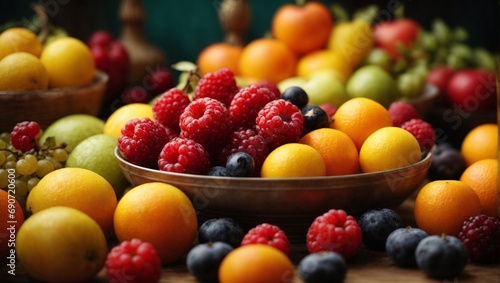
(291, 203)
(425, 102)
(47, 106)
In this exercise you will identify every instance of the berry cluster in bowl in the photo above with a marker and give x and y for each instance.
(222, 129)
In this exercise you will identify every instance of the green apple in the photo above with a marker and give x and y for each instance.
(73, 129)
(96, 153)
(372, 81)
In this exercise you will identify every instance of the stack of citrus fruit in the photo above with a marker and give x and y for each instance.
(27, 64)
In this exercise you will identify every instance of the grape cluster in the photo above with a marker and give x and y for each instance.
(21, 170)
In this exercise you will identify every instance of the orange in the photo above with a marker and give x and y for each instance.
(324, 60)
(69, 63)
(338, 150)
(293, 160)
(160, 214)
(482, 177)
(267, 59)
(256, 263)
(22, 71)
(12, 211)
(19, 39)
(78, 188)
(360, 117)
(479, 143)
(389, 148)
(442, 206)
(219, 55)
(303, 28)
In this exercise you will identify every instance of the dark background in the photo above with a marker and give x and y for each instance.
(181, 28)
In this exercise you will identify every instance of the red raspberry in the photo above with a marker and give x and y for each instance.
(481, 236)
(141, 142)
(279, 122)
(133, 261)
(402, 112)
(246, 140)
(169, 106)
(335, 231)
(207, 122)
(25, 135)
(423, 132)
(267, 234)
(247, 103)
(271, 86)
(220, 85)
(183, 155)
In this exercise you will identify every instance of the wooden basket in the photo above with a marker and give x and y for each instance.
(47, 106)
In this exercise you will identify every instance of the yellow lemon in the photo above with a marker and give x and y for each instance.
(69, 63)
(19, 39)
(22, 71)
(293, 160)
(389, 148)
(324, 60)
(117, 120)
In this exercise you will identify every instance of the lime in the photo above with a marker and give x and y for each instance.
(372, 81)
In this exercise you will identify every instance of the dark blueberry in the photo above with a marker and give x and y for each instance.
(203, 260)
(218, 171)
(441, 257)
(314, 118)
(447, 163)
(240, 164)
(401, 244)
(327, 267)
(296, 95)
(376, 225)
(225, 230)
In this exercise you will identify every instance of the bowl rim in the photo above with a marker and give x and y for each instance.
(100, 77)
(426, 159)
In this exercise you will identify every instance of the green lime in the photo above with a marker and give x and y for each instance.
(372, 81)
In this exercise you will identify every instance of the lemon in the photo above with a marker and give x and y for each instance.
(293, 160)
(73, 129)
(19, 39)
(96, 153)
(117, 120)
(69, 63)
(22, 71)
(389, 148)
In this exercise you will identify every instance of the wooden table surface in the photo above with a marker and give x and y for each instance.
(367, 266)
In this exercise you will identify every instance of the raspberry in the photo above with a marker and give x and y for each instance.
(271, 86)
(423, 132)
(220, 85)
(206, 121)
(402, 112)
(481, 236)
(133, 261)
(24, 136)
(279, 122)
(141, 142)
(247, 103)
(183, 155)
(246, 140)
(267, 234)
(335, 231)
(169, 106)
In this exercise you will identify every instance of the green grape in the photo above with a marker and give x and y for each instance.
(24, 167)
(10, 165)
(57, 164)
(45, 166)
(32, 159)
(2, 157)
(10, 157)
(5, 137)
(32, 182)
(60, 154)
(3, 144)
(21, 188)
(4, 179)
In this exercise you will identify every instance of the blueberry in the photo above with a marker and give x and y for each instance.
(240, 164)
(225, 230)
(218, 171)
(314, 118)
(376, 225)
(447, 163)
(441, 257)
(203, 260)
(296, 95)
(323, 267)
(401, 245)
